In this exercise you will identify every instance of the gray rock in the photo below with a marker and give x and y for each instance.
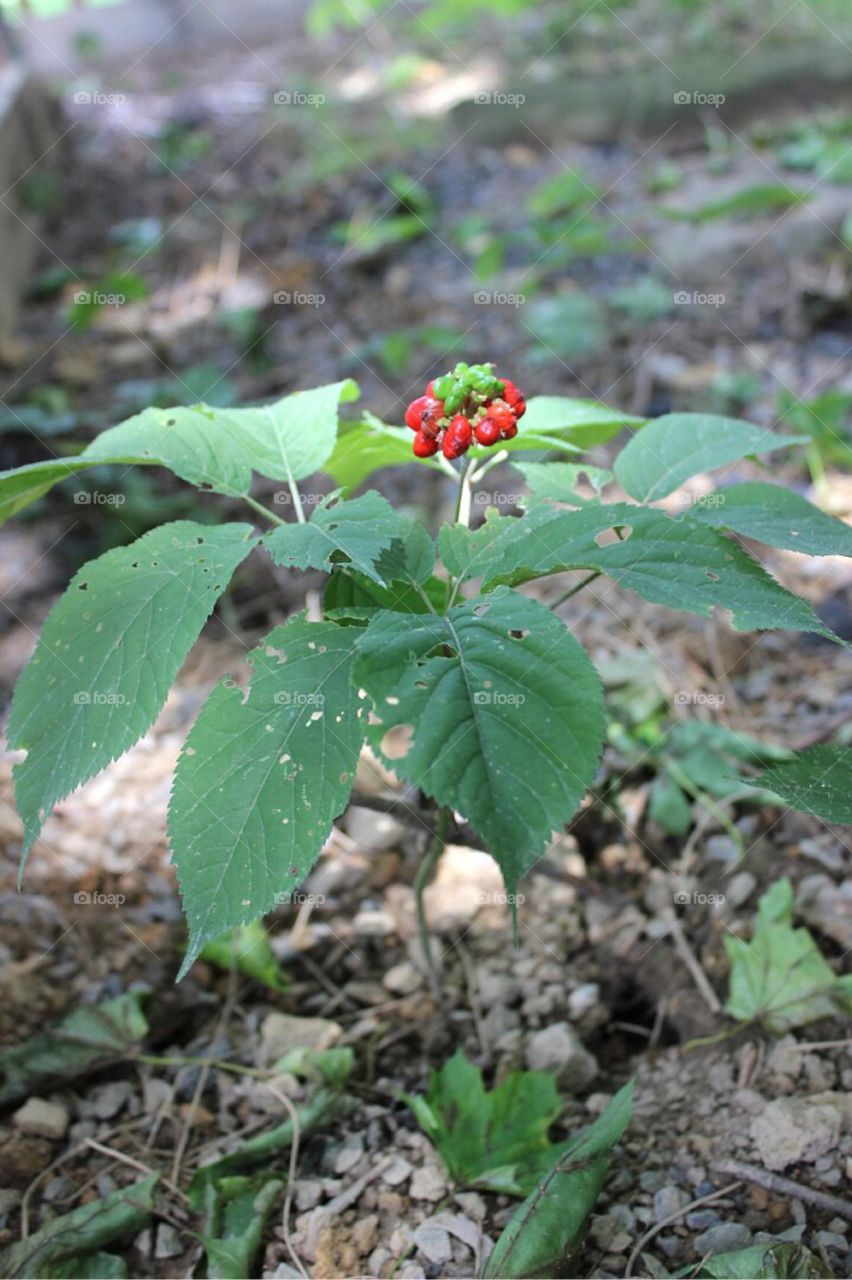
(832, 1240)
(428, 1183)
(793, 1130)
(402, 979)
(651, 1179)
(498, 988)
(107, 1100)
(434, 1242)
(281, 1032)
(668, 1200)
(701, 1219)
(609, 1234)
(308, 1194)
(374, 832)
(41, 1118)
(558, 1048)
(740, 888)
(583, 999)
(349, 1154)
(398, 1171)
(168, 1242)
(722, 1238)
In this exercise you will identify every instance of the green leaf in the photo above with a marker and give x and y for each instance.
(108, 654)
(219, 448)
(92, 1034)
(322, 1108)
(87, 1228)
(751, 202)
(367, 446)
(677, 446)
(759, 1262)
(262, 777)
(558, 480)
(817, 781)
(23, 485)
(547, 1228)
(237, 1212)
(495, 1139)
(674, 562)
(776, 516)
(247, 949)
(583, 422)
(91, 1266)
(360, 529)
(406, 566)
(507, 712)
(780, 978)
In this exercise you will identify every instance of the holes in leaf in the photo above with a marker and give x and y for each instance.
(200, 541)
(607, 537)
(714, 577)
(83, 586)
(391, 700)
(396, 743)
(516, 634)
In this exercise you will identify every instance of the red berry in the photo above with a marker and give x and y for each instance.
(509, 433)
(511, 394)
(520, 407)
(461, 429)
(487, 432)
(501, 413)
(424, 446)
(423, 414)
(457, 437)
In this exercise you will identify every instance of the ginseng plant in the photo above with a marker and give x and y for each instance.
(497, 710)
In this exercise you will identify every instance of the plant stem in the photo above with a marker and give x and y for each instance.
(489, 465)
(262, 510)
(572, 591)
(424, 875)
(464, 496)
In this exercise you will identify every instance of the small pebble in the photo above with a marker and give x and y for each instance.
(434, 1242)
(42, 1118)
(723, 1238)
(428, 1183)
(668, 1200)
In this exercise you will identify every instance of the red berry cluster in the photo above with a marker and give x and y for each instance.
(470, 405)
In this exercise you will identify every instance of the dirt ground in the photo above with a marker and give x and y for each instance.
(614, 976)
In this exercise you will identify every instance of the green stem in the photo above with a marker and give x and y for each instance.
(262, 510)
(220, 1064)
(421, 880)
(465, 495)
(489, 466)
(572, 591)
(682, 778)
